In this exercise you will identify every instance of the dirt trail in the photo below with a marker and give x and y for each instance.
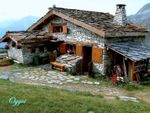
(144, 96)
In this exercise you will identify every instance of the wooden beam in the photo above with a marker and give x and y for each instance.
(131, 71)
(40, 21)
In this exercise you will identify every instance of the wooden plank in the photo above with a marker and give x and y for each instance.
(58, 66)
(97, 54)
(79, 50)
(131, 65)
(125, 70)
(65, 29)
(138, 77)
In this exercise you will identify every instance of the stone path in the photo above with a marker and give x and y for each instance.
(47, 77)
(43, 75)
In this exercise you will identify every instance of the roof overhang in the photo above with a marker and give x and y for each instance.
(4, 38)
(135, 51)
(70, 19)
(38, 40)
(126, 34)
(26, 37)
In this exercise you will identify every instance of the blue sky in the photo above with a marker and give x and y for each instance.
(16, 9)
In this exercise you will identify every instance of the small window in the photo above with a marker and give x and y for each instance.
(58, 29)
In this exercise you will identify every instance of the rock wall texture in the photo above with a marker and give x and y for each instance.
(15, 54)
(28, 56)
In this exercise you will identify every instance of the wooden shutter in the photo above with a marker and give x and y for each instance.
(79, 50)
(97, 54)
(63, 48)
(64, 29)
(50, 29)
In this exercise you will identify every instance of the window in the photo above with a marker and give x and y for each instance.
(58, 29)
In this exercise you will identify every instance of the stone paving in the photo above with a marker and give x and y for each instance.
(43, 75)
(50, 77)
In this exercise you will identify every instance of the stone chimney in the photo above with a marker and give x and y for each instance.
(120, 15)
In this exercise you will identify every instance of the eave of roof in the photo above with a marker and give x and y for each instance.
(134, 51)
(26, 37)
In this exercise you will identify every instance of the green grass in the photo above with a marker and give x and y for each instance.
(42, 99)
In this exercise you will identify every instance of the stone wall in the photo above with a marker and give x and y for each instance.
(28, 55)
(79, 34)
(15, 54)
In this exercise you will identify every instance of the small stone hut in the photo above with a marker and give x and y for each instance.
(100, 38)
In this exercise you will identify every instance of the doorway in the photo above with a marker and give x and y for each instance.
(87, 57)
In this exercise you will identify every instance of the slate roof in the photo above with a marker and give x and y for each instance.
(135, 51)
(98, 20)
(25, 36)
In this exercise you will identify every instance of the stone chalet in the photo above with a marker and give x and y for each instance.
(101, 38)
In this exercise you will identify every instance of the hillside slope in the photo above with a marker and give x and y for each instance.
(142, 17)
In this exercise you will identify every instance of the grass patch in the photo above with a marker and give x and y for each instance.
(42, 99)
(133, 87)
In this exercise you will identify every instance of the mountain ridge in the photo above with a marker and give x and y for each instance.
(142, 17)
(16, 25)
